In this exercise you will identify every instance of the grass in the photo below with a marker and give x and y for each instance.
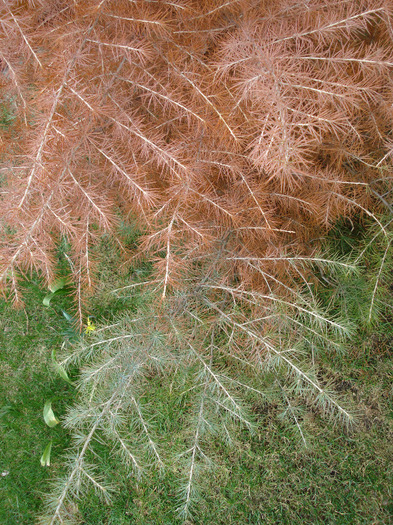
(269, 478)
(342, 477)
(27, 338)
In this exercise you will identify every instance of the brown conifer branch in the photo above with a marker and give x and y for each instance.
(245, 117)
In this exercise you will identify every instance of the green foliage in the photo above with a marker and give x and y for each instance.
(60, 369)
(363, 297)
(49, 416)
(27, 380)
(170, 390)
(171, 421)
(58, 287)
(45, 458)
(266, 456)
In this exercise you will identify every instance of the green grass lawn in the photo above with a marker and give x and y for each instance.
(27, 338)
(342, 477)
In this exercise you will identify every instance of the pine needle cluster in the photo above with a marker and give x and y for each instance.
(235, 133)
(257, 123)
(219, 352)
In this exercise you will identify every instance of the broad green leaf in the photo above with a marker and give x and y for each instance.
(45, 458)
(58, 284)
(47, 299)
(49, 417)
(60, 369)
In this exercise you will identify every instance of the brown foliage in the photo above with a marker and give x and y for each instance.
(246, 126)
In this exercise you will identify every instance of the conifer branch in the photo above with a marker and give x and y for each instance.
(26, 40)
(194, 451)
(291, 365)
(152, 445)
(235, 134)
(377, 280)
(293, 415)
